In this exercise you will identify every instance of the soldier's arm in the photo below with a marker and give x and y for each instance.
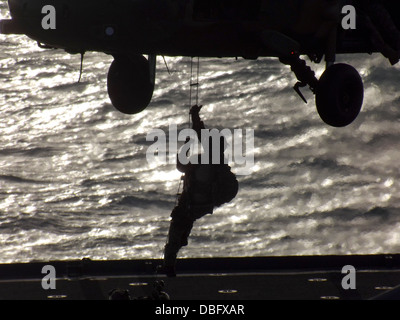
(180, 166)
(197, 124)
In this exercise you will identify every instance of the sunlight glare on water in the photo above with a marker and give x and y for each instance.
(75, 181)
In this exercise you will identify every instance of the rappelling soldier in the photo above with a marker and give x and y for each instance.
(205, 186)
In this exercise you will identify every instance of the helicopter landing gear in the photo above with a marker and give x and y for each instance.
(130, 82)
(339, 93)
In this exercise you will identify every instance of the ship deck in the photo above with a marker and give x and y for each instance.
(257, 278)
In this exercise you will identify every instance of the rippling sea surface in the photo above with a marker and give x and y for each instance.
(74, 180)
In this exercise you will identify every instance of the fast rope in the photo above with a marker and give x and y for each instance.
(194, 82)
(81, 68)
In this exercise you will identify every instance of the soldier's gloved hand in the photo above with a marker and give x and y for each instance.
(195, 109)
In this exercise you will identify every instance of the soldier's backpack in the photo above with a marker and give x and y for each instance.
(225, 185)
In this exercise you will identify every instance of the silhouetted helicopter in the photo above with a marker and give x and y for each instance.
(130, 29)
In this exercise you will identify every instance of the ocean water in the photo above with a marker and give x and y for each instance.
(75, 182)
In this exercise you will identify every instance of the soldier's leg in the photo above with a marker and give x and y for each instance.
(186, 234)
(196, 212)
(179, 230)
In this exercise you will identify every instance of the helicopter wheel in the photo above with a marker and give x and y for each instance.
(339, 95)
(129, 83)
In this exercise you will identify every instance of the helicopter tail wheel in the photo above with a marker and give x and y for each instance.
(339, 95)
